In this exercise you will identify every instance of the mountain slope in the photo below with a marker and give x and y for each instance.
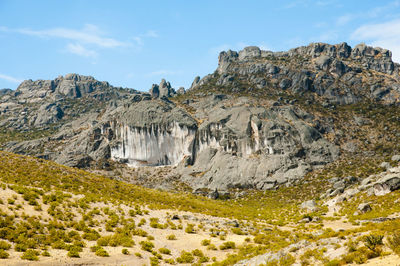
(261, 120)
(61, 215)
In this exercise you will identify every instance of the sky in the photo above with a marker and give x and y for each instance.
(134, 44)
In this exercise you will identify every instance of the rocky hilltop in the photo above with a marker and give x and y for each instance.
(263, 119)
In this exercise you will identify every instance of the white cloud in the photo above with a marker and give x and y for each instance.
(151, 34)
(84, 42)
(379, 11)
(343, 20)
(80, 50)
(10, 79)
(89, 34)
(140, 38)
(385, 35)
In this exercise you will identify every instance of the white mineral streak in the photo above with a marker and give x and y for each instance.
(153, 146)
(206, 140)
(245, 148)
(157, 146)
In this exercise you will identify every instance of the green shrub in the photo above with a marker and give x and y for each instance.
(154, 223)
(73, 253)
(171, 237)
(92, 235)
(287, 260)
(94, 248)
(211, 247)
(154, 261)
(227, 245)
(237, 231)
(101, 252)
(186, 257)
(103, 241)
(394, 242)
(142, 222)
(147, 245)
(197, 252)
(45, 253)
(359, 256)
(20, 247)
(164, 251)
(4, 245)
(334, 262)
(190, 229)
(374, 243)
(169, 261)
(79, 243)
(139, 232)
(137, 254)
(30, 254)
(205, 242)
(4, 254)
(125, 251)
(59, 244)
(132, 213)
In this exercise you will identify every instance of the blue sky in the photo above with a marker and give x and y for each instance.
(137, 43)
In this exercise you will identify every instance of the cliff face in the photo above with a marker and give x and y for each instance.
(262, 120)
(336, 73)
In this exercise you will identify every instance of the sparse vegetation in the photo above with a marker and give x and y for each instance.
(227, 245)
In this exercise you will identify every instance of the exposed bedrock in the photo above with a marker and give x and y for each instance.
(244, 147)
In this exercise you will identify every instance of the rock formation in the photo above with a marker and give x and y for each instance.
(247, 125)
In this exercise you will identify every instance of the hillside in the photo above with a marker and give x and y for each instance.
(56, 214)
(276, 158)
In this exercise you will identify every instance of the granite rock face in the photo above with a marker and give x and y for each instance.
(231, 129)
(163, 90)
(338, 73)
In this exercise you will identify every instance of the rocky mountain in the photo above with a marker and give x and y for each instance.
(263, 119)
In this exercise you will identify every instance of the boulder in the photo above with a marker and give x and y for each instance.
(181, 91)
(322, 62)
(385, 165)
(213, 195)
(310, 205)
(154, 91)
(249, 52)
(195, 82)
(386, 184)
(364, 207)
(396, 158)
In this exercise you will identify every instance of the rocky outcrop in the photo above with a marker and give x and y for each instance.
(163, 90)
(232, 129)
(338, 73)
(5, 91)
(69, 86)
(242, 147)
